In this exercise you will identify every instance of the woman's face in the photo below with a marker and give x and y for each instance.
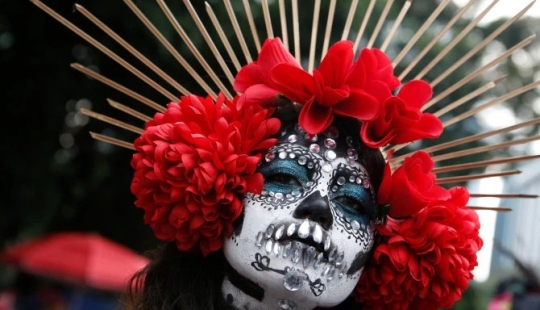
(305, 239)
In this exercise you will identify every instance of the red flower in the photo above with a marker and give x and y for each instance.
(338, 86)
(192, 165)
(400, 119)
(426, 260)
(411, 187)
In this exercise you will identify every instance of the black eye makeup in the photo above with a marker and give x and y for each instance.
(284, 176)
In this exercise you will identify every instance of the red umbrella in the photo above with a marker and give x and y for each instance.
(85, 259)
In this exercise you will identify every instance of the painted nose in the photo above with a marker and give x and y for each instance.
(315, 208)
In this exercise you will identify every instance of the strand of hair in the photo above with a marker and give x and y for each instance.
(420, 32)
(479, 46)
(496, 209)
(112, 121)
(396, 24)
(112, 141)
(478, 72)
(380, 23)
(267, 19)
(225, 41)
(350, 17)
(130, 48)
(363, 26)
(313, 41)
(329, 22)
(118, 87)
(296, 31)
(283, 21)
(237, 30)
(485, 163)
(435, 39)
(527, 196)
(466, 178)
(252, 27)
(104, 50)
(181, 32)
(128, 110)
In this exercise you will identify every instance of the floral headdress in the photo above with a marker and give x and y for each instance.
(197, 158)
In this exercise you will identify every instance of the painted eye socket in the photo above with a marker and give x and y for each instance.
(351, 203)
(355, 203)
(282, 178)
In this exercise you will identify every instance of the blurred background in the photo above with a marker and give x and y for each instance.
(56, 178)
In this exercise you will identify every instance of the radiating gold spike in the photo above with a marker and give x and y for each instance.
(484, 163)
(479, 46)
(128, 110)
(465, 178)
(493, 102)
(206, 36)
(329, 22)
(237, 30)
(350, 17)
(396, 24)
(118, 87)
(130, 48)
(503, 196)
(363, 26)
(477, 72)
(456, 40)
(496, 209)
(313, 41)
(420, 32)
(380, 23)
(296, 31)
(112, 121)
(112, 141)
(252, 26)
(194, 50)
(169, 47)
(283, 22)
(435, 39)
(267, 19)
(225, 41)
(104, 49)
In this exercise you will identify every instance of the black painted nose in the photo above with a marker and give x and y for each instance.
(315, 208)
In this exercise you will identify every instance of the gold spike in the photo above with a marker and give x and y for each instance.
(225, 41)
(130, 48)
(251, 22)
(117, 86)
(397, 23)
(314, 26)
(128, 110)
(477, 72)
(455, 41)
(479, 46)
(169, 47)
(503, 196)
(112, 121)
(365, 20)
(296, 31)
(465, 178)
(420, 32)
(484, 163)
(380, 23)
(283, 21)
(237, 30)
(329, 22)
(433, 41)
(194, 49)
(493, 102)
(350, 17)
(496, 209)
(267, 19)
(105, 50)
(112, 141)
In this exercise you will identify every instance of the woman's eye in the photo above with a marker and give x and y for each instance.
(283, 178)
(350, 202)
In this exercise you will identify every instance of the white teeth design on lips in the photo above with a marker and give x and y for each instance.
(291, 230)
(303, 230)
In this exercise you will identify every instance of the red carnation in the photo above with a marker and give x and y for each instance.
(400, 119)
(425, 261)
(192, 165)
(411, 187)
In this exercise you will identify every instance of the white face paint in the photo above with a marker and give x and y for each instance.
(304, 240)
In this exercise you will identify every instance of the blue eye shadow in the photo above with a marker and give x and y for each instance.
(361, 195)
(284, 167)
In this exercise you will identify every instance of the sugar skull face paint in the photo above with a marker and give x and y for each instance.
(305, 239)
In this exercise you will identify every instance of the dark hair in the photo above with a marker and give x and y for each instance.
(177, 280)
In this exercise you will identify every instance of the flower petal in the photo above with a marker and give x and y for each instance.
(315, 118)
(293, 82)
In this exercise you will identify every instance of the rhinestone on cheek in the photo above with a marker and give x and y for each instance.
(314, 148)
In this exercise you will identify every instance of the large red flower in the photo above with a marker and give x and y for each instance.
(400, 119)
(424, 261)
(192, 165)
